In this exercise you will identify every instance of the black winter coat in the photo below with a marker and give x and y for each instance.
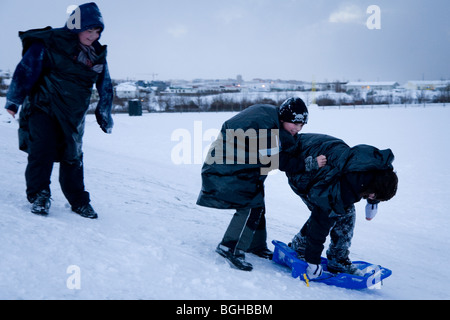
(234, 172)
(63, 89)
(322, 188)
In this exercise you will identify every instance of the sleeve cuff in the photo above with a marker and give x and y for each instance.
(11, 106)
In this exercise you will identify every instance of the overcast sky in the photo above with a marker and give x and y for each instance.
(279, 39)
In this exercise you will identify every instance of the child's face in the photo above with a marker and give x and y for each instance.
(88, 37)
(370, 196)
(292, 128)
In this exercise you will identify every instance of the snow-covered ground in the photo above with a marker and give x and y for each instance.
(152, 241)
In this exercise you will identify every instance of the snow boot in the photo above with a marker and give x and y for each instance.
(299, 245)
(342, 266)
(236, 258)
(86, 211)
(264, 253)
(41, 203)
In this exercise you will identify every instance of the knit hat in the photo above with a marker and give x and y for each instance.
(84, 17)
(293, 110)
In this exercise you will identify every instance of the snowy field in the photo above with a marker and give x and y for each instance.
(152, 241)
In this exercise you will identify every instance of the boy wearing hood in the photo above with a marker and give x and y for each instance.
(53, 83)
(351, 174)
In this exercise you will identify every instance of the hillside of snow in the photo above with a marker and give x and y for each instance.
(152, 241)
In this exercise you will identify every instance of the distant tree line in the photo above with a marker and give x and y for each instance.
(191, 103)
(216, 104)
(354, 98)
(230, 102)
(207, 102)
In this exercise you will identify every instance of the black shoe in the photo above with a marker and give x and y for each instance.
(41, 203)
(86, 211)
(236, 258)
(264, 253)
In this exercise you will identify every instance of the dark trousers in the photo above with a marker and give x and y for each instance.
(319, 225)
(46, 138)
(247, 230)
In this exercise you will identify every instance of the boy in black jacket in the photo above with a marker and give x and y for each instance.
(53, 83)
(350, 175)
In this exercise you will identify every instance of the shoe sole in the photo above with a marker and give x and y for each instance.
(43, 212)
(336, 271)
(87, 217)
(40, 213)
(262, 256)
(232, 265)
(91, 216)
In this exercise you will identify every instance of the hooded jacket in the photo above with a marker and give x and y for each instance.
(84, 17)
(249, 145)
(322, 188)
(50, 78)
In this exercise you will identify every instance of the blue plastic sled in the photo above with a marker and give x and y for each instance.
(373, 274)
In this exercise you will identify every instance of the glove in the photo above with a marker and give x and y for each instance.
(105, 121)
(371, 210)
(314, 271)
(311, 164)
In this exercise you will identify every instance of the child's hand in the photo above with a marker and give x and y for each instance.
(11, 113)
(321, 161)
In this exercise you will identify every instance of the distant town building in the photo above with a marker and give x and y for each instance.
(127, 90)
(427, 85)
(375, 85)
